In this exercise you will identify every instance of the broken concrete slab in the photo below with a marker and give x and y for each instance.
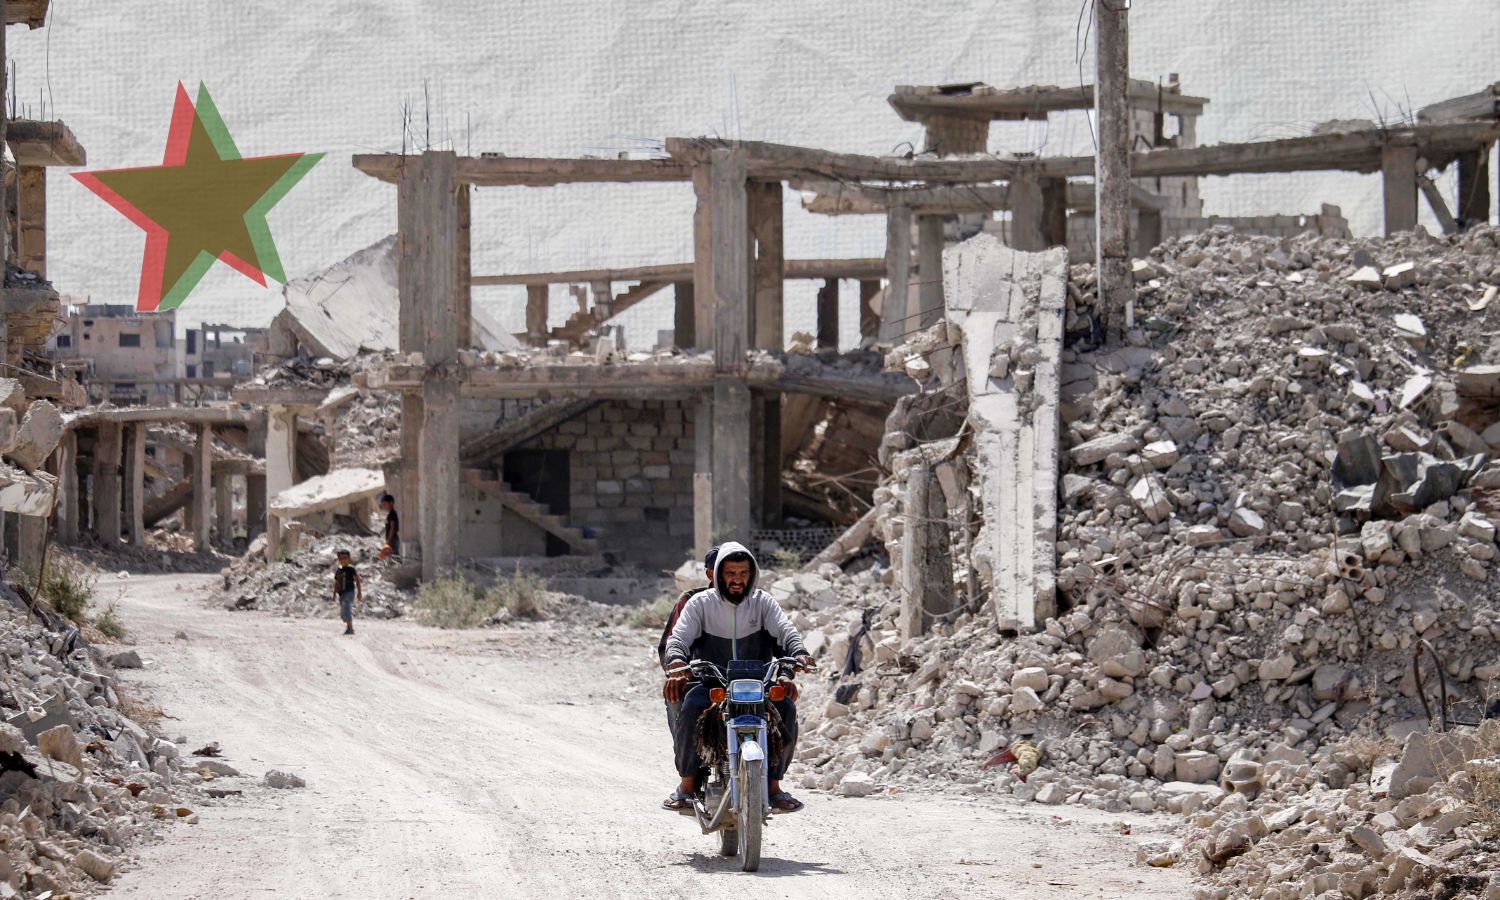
(997, 296)
(353, 306)
(27, 495)
(339, 488)
(13, 395)
(1366, 277)
(1102, 447)
(1357, 460)
(37, 436)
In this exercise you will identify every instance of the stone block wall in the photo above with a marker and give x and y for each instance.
(631, 476)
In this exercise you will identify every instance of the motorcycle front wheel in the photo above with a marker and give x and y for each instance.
(750, 813)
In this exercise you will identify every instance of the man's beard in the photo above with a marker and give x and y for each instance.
(735, 594)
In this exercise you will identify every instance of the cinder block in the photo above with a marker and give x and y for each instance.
(637, 442)
(657, 472)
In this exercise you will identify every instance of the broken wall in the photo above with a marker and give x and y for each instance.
(630, 476)
(1009, 307)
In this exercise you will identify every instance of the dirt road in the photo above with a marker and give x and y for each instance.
(476, 764)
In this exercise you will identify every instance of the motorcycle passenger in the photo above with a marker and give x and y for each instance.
(666, 632)
(732, 620)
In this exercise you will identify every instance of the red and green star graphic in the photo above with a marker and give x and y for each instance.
(204, 202)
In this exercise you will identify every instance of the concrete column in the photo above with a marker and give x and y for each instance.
(828, 314)
(135, 484)
(929, 270)
(224, 508)
(1473, 188)
(281, 450)
(729, 260)
(68, 482)
(869, 319)
(894, 324)
(255, 505)
(731, 459)
(536, 313)
(203, 477)
(764, 198)
(926, 566)
(410, 489)
(463, 298)
(1147, 231)
(1398, 171)
(684, 330)
(1027, 221)
(1055, 211)
(1112, 167)
(31, 535)
(273, 537)
(32, 216)
(439, 500)
(703, 479)
(766, 458)
(429, 217)
(107, 483)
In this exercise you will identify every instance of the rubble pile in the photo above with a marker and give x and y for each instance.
(80, 781)
(301, 584)
(1272, 494)
(1420, 822)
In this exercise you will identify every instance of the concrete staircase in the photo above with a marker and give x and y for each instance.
(582, 322)
(532, 511)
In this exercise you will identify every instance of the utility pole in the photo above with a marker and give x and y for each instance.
(1112, 165)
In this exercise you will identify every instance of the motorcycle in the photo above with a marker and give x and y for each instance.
(736, 798)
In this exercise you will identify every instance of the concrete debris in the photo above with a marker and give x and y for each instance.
(338, 489)
(283, 780)
(36, 437)
(1240, 650)
(126, 659)
(82, 779)
(352, 307)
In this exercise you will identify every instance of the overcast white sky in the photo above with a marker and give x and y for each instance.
(569, 77)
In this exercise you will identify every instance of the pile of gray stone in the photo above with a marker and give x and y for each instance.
(1274, 493)
(80, 780)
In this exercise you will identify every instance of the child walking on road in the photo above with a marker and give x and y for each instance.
(347, 589)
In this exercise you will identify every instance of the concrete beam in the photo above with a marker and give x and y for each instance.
(1111, 167)
(106, 503)
(203, 478)
(1398, 173)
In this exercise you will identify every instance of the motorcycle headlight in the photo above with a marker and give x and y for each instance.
(746, 691)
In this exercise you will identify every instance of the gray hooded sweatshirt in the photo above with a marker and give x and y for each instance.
(713, 629)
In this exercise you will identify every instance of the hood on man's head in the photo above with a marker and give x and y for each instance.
(731, 550)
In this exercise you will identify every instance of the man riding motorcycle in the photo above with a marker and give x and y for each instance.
(731, 620)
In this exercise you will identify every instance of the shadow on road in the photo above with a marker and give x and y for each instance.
(769, 867)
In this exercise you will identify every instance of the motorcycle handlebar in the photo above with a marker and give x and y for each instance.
(701, 667)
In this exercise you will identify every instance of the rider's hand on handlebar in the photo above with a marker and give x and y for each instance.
(676, 686)
(807, 663)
